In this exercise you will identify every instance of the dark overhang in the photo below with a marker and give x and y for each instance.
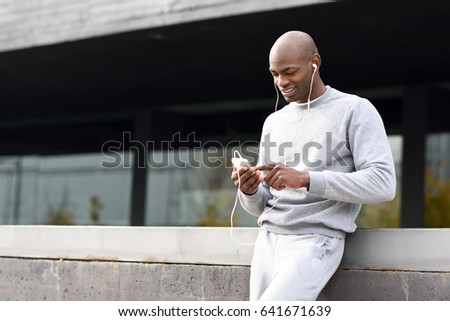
(213, 74)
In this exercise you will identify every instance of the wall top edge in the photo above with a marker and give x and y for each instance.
(392, 249)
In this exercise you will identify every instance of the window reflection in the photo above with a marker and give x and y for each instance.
(437, 180)
(193, 196)
(69, 189)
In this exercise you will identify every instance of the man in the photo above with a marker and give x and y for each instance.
(320, 158)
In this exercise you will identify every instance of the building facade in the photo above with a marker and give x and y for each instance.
(127, 112)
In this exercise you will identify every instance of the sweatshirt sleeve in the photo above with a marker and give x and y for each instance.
(255, 204)
(374, 178)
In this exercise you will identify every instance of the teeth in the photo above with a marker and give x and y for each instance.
(288, 90)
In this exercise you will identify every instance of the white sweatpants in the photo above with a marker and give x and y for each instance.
(293, 267)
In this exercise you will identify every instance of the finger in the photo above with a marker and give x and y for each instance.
(243, 170)
(234, 175)
(240, 177)
(272, 177)
(237, 175)
(249, 184)
(246, 176)
(280, 187)
(271, 174)
(249, 177)
(265, 167)
(255, 185)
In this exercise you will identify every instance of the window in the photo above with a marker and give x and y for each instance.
(437, 180)
(68, 189)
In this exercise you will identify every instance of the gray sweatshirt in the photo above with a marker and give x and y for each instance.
(342, 143)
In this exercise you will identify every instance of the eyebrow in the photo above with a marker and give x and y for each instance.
(285, 69)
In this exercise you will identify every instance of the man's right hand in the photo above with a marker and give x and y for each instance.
(249, 179)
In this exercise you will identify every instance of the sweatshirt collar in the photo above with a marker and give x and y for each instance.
(312, 102)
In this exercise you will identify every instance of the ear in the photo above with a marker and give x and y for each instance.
(316, 60)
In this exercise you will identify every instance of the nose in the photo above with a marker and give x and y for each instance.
(282, 81)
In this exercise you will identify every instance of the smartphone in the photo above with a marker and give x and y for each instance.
(240, 162)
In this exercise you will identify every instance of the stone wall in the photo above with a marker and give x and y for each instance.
(39, 280)
(148, 263)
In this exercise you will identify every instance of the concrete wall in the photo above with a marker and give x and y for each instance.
(151, 263)
(32, 279)
(35, 22)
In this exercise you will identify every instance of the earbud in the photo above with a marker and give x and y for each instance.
(314, 66)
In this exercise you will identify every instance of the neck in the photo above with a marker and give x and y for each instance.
(318, 89)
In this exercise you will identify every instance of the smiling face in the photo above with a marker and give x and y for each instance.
(290, 63)
(292, 77)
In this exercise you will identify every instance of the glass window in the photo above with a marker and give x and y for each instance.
(68, 189)
(437, 180)
(193, 188)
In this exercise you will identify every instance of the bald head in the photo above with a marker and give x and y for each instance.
(294, 63)
(297, 42)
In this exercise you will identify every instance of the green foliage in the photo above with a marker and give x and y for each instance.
(94, 211)
(381, 215)
(60, 217)
(437, 201)
(61, 214)
(212, 218)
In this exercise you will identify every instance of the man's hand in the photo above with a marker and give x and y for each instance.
(279, 177)
(249, 177)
